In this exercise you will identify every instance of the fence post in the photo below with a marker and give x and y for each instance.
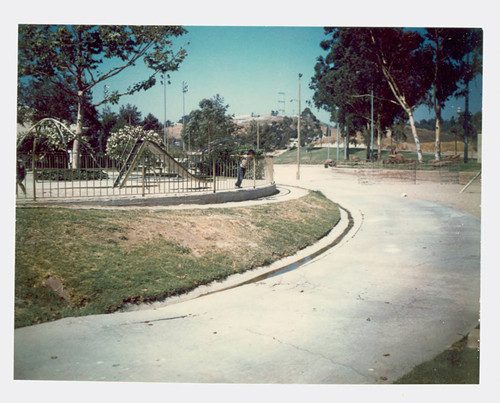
(254, 172)
(214, 176)
(33, 169)
(143, 178)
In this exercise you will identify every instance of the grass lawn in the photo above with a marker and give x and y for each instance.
(98, 260)
(457, 365)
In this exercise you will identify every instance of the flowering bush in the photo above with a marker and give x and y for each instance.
(120, 143)
(48, 137)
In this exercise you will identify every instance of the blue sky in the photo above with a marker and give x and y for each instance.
(249, 67)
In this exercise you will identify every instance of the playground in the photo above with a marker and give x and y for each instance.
(142, 170)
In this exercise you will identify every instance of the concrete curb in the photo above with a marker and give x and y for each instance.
(171, 200)
(345, 229)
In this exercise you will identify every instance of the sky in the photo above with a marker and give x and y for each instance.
(254, 68)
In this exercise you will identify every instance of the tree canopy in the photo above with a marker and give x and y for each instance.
(73, 59)
(400, 67)
(209, 123)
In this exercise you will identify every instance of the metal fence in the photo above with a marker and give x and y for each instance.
(448, 172)
(48, 176)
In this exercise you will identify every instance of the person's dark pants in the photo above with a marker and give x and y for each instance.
(241, 175)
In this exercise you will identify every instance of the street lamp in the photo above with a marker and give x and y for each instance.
(298, 135)
(184, 90)
(164, 110)
(371, 129)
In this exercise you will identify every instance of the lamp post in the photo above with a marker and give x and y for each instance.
(165, 111)
(184, 90)
(298, 135)
(371, 128)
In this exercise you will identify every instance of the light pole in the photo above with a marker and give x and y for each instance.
(298, 135)
(338, 146)
(371, 128)
(165, 111)
(184, 90)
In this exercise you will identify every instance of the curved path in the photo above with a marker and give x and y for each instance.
(400, 288)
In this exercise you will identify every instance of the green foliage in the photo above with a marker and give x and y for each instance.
(70, 59)
(209, 123)
(456, 365)
(364, 59)
(71, 174)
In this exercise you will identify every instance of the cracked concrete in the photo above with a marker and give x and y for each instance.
(400, 288)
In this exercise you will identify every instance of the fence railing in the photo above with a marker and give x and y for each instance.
(412, 172)
(48, 176)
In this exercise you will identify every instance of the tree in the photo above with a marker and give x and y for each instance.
(42, 99)
(108, 121)
(447, 47)
(150, 122)
(348, 78)
(469, 53)
(310, 127)
(210, 122)
(406, 65)
(72, 57)
(128, 115)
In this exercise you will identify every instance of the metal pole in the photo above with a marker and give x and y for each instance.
(254, 172)
(33, 169)
(258, 136)
(165, 112)
(371, 129)
(143, 178)
(298, 136)
(184, 90)
(328, 133)
(213, 175)
(338, 145)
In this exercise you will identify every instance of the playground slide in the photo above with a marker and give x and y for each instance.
(162, 155)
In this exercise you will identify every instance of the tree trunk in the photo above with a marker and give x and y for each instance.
(437, 105)
(379, 143)
(415, 136)
(437, 151)
(466, 119)
(75, 157)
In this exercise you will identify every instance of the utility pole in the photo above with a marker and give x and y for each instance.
(298, 135)
(281, 101)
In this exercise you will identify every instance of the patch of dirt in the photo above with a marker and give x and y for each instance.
(56, 285)
(199, 233)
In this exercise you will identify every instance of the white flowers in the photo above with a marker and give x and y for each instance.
(120, 143)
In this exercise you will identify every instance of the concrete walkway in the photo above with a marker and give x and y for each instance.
(400, 288)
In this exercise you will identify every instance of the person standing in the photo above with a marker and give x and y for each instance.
(20, 175)
(243, 166)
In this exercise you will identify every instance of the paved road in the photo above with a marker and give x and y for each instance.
(400, 288)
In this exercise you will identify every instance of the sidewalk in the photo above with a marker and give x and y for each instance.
(401, 287)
